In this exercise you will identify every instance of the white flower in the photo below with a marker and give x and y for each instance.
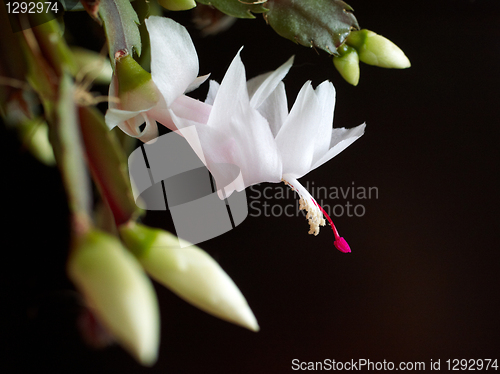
(174, 71)
(250, 126)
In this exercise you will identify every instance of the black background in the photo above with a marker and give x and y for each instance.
(422, 280)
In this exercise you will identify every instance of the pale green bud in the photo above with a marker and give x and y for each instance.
(93, 65)
(119, 292)
(374, 49)
(189, 272)
(136, 88)
(39, 144)
(177, 4)
(347, 64)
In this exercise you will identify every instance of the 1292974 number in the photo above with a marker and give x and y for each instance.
(472, 364)
(32, 7)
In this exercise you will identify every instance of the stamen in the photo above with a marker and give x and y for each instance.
(314, 221)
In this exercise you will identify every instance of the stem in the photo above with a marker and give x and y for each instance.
(107, 165)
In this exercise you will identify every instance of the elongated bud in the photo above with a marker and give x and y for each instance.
(92, 64)
(177, 4)
(347, 64)
(119, 292)
(136, 89)
(374, 49)
(189, 272)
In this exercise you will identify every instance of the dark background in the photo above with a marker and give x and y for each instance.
(422, 280)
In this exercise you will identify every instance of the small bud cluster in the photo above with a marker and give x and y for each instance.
(370, 48)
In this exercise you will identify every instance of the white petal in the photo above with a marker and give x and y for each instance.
(174, 62)
(326, 97)
(212, 92)
(341, 139)
(129, 123)
(296, 138)
(248, 144)
(196, 83)
(264, 87)
(185, 107)
(232, 89)
(275, 108)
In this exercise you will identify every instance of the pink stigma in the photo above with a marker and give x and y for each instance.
(339, 242)
(342, 245)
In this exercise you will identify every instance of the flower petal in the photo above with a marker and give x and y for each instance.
(326, 97)
(232, 89)
(197, 82)
(174, 62)
(341, 139)
(297, 137)
(212, 92)
(275, 108)
(262, 86)
(129, 122)
(185, 107)
(249, 147)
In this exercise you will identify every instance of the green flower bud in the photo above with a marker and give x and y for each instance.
(189, 272)
(93, 64)
(177, 4)
(374, 49)
(136, 88)
(119, 291)
(347, 64)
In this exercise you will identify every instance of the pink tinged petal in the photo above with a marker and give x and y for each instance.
(326, 97)
(259, 89)
(275, 108)
(184, 107)
(174, 62)
(297, 137)
(191, 109)
(341, 139)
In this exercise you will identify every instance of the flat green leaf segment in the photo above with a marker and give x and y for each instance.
(121, 25)
(322, 24)
(236, 8)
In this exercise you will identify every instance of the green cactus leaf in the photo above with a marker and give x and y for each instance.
(323, 24)
(122, 27)
(236, 8)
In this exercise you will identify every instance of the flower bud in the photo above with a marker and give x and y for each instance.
(93, 64)
(177, 4)
(119, 292)
(136, 88)
(374, 49)
(347, 64)
(189, 272)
